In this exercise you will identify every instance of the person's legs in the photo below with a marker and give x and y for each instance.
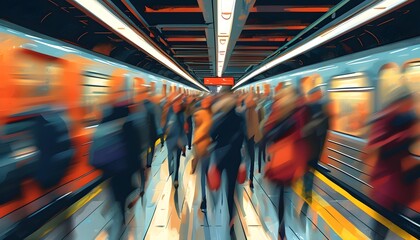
(232, 174)
(308, 181)
(250, 145)
(143, 181)
(260, 156)
(162, 141)
(264, 151)
(150, 155)
(190, 132)
(177, 162)
(170, 161)
(183, 151)
(205, 162)
(282, 230)
(120, 185)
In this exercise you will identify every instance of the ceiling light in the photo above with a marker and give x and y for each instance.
(225, 15)
(111, 20)
(364, 16)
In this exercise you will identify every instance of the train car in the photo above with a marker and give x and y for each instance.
(357, 87)
(38, 75)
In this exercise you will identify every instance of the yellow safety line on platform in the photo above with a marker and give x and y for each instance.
(343, 227)
(43, 231)
(372, 213)
(76, 207)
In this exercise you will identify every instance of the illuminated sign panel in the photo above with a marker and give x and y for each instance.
(215, 81)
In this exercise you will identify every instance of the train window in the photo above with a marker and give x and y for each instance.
(309, 82)
(96, 86)
(32, 75)
(412, 79)
(351, 100)
(389, 79)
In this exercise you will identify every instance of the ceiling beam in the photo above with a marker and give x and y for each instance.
(191, 55)
(294, 9)
(276, 26)
(181, 27)
(259, 9)
(245, 39)
(202, 27)
(251, 53)
(255, 47)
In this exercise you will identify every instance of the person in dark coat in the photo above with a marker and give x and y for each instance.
(155, 131)
(228, 133)
(176, 138)
(315, 132)
(189, 111)
(120, 183)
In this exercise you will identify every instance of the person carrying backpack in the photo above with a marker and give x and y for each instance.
(315, 131)
(115, 149)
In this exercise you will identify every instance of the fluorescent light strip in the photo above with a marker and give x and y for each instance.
(363, 17)
(102, 12)
(225, 16)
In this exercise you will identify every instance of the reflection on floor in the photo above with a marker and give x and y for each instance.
(168, 213)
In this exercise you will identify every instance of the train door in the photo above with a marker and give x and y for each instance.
(351, 99)
(411, 73)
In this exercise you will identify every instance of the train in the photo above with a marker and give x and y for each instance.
(356, 86)
(39, 73)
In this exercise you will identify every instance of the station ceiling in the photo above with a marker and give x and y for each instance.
(184, 30)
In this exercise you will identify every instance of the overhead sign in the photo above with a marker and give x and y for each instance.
(217, 81)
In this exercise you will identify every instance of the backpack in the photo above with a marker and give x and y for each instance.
(109, 151)
(53, 141)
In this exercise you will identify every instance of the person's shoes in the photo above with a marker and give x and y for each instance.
(176, 184)
(203, 206)
(251, 184)
(183, 154)
(148, 166)
(189, 148)
(232, 227)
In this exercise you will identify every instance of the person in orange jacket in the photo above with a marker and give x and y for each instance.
(254, 134)
(203, 122)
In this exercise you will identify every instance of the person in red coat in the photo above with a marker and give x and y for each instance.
(392, 134)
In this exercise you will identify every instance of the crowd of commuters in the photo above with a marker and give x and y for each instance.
(286, 129)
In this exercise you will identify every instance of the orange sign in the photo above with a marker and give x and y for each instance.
(225, 81)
